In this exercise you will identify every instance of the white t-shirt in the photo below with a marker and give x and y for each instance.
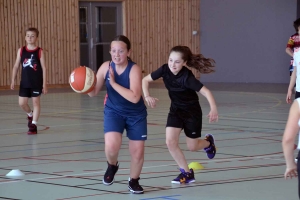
(296, 64)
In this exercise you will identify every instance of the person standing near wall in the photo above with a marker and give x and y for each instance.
(293, 42)
(33, 77)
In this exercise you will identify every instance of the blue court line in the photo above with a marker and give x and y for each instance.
(164, 197)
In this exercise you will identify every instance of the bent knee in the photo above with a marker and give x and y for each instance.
(192, 148)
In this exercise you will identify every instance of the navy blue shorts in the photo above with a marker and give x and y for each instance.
(29, 92)
(136, 126)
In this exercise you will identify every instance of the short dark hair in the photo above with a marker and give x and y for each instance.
(33, 30)
(297, 24)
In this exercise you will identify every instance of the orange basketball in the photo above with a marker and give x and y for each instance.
(82, 80)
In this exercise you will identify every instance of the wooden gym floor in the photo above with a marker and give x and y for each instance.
(66, 159)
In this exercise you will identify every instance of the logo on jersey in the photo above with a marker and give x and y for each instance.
(30, 63)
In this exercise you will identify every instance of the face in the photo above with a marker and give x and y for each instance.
(119, 52)
(175, 62)
(30, 37)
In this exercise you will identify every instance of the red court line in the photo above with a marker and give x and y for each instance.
(61, 172)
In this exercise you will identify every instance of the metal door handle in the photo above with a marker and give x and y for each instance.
(92, 43)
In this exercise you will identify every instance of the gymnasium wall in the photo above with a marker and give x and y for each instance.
(247, 38)
(57, 22)
(153, 26)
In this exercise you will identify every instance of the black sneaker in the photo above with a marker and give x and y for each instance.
(184, 177)
(134, 186)
(211, 150)
(29, 121)
(32, 129)
(109, 175)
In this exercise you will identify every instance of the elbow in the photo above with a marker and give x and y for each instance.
(286, 141)
(135, 100)
(91, 94)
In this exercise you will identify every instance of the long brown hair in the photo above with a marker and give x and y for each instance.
(196, 61)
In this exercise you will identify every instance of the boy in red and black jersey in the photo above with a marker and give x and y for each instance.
(294, 42)
(33, 77)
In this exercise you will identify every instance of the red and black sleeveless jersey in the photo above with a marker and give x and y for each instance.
(32, 72)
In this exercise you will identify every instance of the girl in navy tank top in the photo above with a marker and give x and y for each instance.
(124, 109)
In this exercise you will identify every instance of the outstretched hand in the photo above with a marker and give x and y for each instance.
(288, 97)
(111, 75)
(213, 116)
(151, 101)
(45, 89)
(12, 85)
(291, 172)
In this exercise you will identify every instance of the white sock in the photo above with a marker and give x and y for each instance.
(34, 122)
(29, 114)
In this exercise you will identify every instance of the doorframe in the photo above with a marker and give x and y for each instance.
(91, 4)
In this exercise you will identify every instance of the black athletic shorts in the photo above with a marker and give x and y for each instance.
(192, 125)
(29, 92)
(297, 95)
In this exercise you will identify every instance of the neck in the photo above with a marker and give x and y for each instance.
(123, 65)
(31, 46)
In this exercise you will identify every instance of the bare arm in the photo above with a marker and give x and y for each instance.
(42, 59)
(291, 86)
(213, 114)
(15, 69)
(100, 79)
(151, 101)
(133, 94)
(289, 51)
(145, 84)
(288, 140)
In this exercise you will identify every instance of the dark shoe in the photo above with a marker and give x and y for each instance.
(109, 175)
(185, 177)
(134, 186)
(211, 150)
(32, 129)
(29, 121)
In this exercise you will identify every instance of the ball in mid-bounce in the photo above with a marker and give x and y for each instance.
(82, 80)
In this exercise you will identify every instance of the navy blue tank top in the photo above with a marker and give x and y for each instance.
(117, 102)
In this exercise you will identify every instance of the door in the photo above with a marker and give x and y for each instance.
(99, 22)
